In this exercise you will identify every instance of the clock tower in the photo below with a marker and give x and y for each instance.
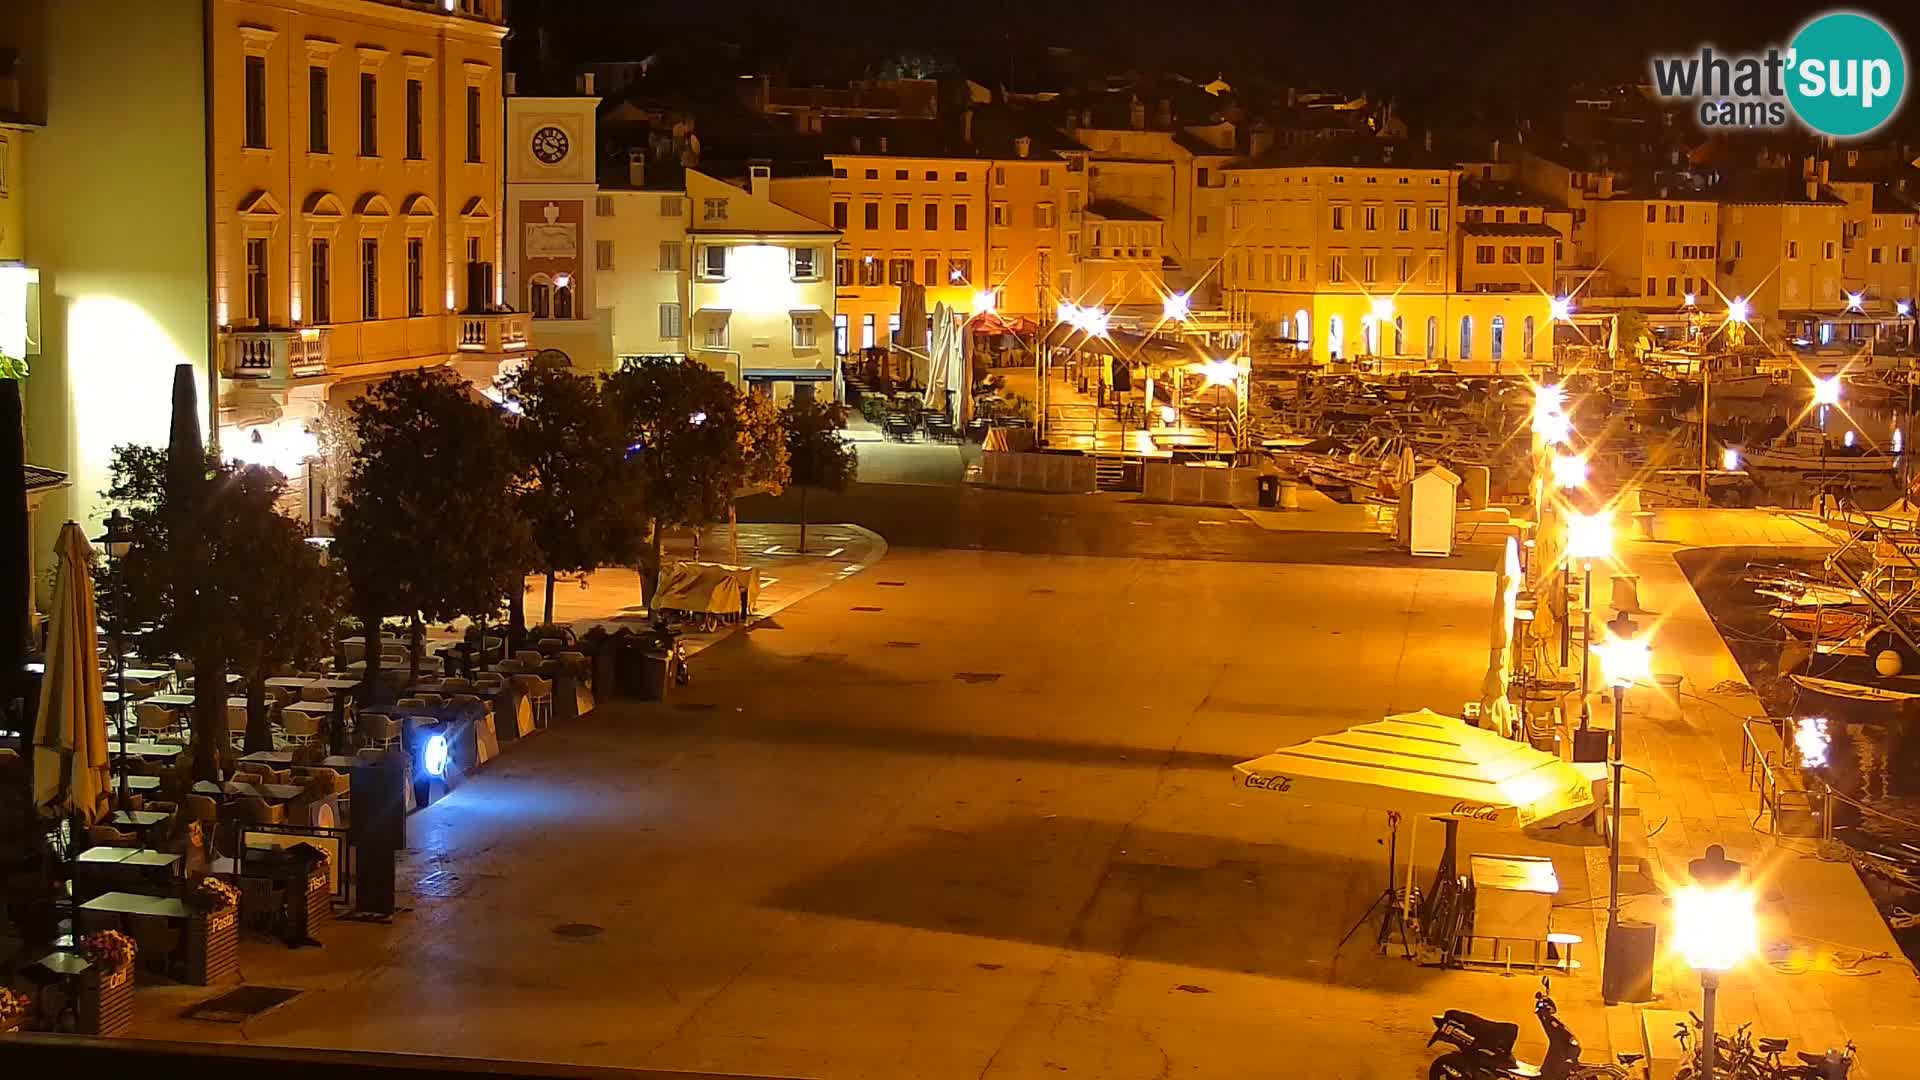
(550, 203)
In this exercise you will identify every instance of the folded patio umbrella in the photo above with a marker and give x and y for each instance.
(70, 747)
(1427, 764)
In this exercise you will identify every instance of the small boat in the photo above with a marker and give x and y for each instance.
(1800, 451)
(1829, 623)
(1847, 691)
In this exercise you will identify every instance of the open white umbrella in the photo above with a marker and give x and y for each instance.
(70, 743)
(1428, 764)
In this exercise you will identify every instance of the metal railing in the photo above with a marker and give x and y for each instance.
(1759, 765)
(1831, 796)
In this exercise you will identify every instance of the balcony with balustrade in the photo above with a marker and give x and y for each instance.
(496, 334)
(273, 357)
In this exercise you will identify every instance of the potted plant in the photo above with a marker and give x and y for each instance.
(13, 1009)
(213, 932)
(106, 990)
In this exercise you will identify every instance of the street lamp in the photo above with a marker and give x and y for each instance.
(1826, 392)
(1714, 924)
(1738, 310)
(1589, 537)
(1569, 471)
(1560, 308)
(1624, 661)
(116, 542)
(983, 302)
(1175, 307)
(1220, 374)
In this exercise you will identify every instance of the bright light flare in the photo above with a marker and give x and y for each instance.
(1560, 308)
(1826, 390)
(1730, 459)
(1176, 307)
(1590, 536)
(1855, 301)
(1569, 471)
(1221, 372)
(1847, 439)
(1691, 300)
(1624, 660)
(1811, 739)
(1904, 308)
(1383, 309)
(1738, 310)
(1714, 926)
(1168, 414)
(1554, 430)
(435, 755)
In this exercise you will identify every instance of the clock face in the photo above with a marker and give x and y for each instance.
(550, 145)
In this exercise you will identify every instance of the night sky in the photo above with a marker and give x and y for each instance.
(1490, 56)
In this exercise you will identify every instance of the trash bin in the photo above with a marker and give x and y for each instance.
(1627, 969)
(652, 685)
(1289, 494)
(1269, 492)
(629, 667)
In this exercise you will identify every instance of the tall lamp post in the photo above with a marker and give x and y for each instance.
(116, 542)
(1221, 373)
(1625, 660)
(1552, 428)
(1715, 929)
(1826, 392)
(1589, 537)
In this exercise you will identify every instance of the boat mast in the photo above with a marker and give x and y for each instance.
(1705, 377)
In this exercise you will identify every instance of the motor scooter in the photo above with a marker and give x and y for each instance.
(1484, 1048)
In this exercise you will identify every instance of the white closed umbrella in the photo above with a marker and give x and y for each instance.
(70, 759)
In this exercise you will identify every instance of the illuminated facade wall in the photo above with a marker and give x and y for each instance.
(1320, 253)
(760, 292)
(117, 225)
(13, 195)
(1033, 254)
(647, 286)
(1655, 251)
(1877, 246)
(1785, 256)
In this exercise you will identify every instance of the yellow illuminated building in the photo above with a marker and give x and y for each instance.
(1879, 269)
(1354, 251)
(1780, 244)
(291, 197)
(1653, 254)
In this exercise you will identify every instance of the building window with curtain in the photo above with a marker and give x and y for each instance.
(1497, 329)
(416, 276)
(317, 110)
(563, 298)
(256, 103)
(540, 297)
(416, 120)
(369, 114)
(369, 279)
(670, 322)
(1466, 337)
(257, 281)
(320, 282)
(473, 124)
(1526, 338)
(1433, 335)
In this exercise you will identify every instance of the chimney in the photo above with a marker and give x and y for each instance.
(966, 127)
(1163, 115)
(637, 168)
(1137, 115)
(1022, 146)
(1823, 170)
(1853, 158)
(1427, 140)
(512, 84)
(760, 181)
(1806, 168)
(856, 144)
(586, 84)
(1496, 149)
(883, 144)
(1259, 140)
(1813, 189)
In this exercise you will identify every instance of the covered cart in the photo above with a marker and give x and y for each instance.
(708, 591)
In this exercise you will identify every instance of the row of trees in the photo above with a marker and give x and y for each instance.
(449, 502)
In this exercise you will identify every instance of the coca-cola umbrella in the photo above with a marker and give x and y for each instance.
(1429, 765)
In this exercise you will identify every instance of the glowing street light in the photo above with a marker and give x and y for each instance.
(1738, 310)
(1855, 301)
(1730, 459)
(983, 302)
(1590, 536)
(1569, 471)
(1550, 423)
(1553, 430)
(1220, 374)
(1066, 313)
(1691, 300)
(1560, 308)
(1903, 309)
(1176, 307)
(1826, 391)
(1624, 660)
(1811, 739)
(1383, 309)
(1715, 929)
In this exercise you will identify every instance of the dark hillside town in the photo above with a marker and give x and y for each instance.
(865, 541)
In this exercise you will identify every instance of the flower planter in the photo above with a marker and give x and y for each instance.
(213, 947)
(106, 1002)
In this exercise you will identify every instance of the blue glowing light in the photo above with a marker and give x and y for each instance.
(433, 757)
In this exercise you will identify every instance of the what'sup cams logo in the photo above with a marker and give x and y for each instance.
(1844, 75)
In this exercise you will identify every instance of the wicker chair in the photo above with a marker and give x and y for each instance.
(298, 728)
(156, 721)
(258, 811)
(377, 730)
(108, 836)
(539, 695)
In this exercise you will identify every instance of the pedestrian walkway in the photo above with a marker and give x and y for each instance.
(1830, 970)
(610, 597)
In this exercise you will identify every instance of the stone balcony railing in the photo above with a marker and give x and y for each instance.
(495, 332)
(274, 355)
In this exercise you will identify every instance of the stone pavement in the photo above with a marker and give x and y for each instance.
(1689, 789)
(610, 597)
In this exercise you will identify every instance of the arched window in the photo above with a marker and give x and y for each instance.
(1336, 336)
(563, 301)
(1466, 337)
(1433, 335)
(1399, 335)
(1499, 330)
(1302, 328)
(1370, 334)
(540, 296)
(1526, 338)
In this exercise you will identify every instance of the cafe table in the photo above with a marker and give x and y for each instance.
(146, 675)
(137, 819)
(127, 903)
(236, 789)
(290, 682)
(143, 858)
(139, 783)
(172, 701)
(166, 751)
(270, 757)
(316, 709)
(334, 683)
